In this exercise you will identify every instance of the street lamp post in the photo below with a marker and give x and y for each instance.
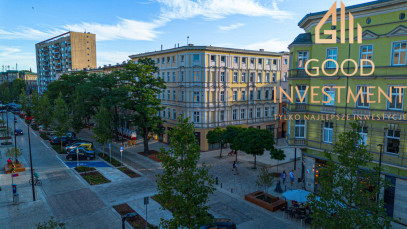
(31, 161)
(380, 168)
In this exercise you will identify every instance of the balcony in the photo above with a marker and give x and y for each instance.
(300, 107)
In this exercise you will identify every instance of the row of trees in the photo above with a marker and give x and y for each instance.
(129, 93)
(252, 141)
(9, 91)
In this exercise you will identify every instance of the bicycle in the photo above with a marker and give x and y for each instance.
(38, 183)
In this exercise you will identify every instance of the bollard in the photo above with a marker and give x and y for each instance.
(216, 181)
(220, 185)
(15, 198)
(231, 190)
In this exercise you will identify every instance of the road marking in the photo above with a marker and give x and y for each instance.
(34, 133)
(63, 162)
(45, 144)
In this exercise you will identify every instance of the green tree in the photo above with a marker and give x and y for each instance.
(255, 141)
(278, 155)
(61, 117)
(35, 100)
(17, 85)
(231, 135)
(143, 87)
(78, 114)
(216, 135)
(347, 197)
(183, 187)
(104, 123)
(51, 224)
(264, 179)
(25, 104)
(45, 108)
(13, 153)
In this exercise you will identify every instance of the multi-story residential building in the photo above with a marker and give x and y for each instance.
(68, 51)
(216, 87)
(8, 76)
(384, 41)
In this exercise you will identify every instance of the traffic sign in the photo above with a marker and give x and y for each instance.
(146, 200)
(121, 148)
(15, 174)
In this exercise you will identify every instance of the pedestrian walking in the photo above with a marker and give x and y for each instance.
(234, 167)
(292, 177)
(236, 171)
(283, 176)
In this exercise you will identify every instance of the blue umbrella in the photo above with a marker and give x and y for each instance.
(298, 195)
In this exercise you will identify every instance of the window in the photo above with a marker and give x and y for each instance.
(331, 92)
(181, 77)
(222, 77)
(259, 76)
(243, 77)
(396, 95)
(244, 59)
(252, 60)
(268, 77)
(235, 77)
(213, 58)
(173, 95)
(182, 58)
(222, 96)
(266, 111)
(163, 113)
(173, 77)
(272, 94)
(173, 59)
(259, 94)
(399, 53)
(273, 111)
(163, 60)
(197, 117)
(359, 102)
(163, 75)
(250, 113)
(251, 94)
(234, 114)
(158, 60)
(267, 94)
(285, 61)
(168, 94)
(274, 76)
(302, 59)
(274, 62)
(168, 113)
(234, 95)
(174, 114)
(243, 95)
(222, 116)
(168, 77)
(366, 52)
(252, 77)
(301, 90)
(196, 57)
(168, 59)
(393, 141)
(223, 59)
(235, 59)
(258, 112)
(299, 129)
(196, 96)
(242, 114)
(196, 76)
(182, 96)
(363, 135)
(332, 54)
(328, 132)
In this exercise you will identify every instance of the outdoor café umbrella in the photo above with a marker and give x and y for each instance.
(298, 195)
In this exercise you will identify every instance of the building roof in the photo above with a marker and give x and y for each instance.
(367, 5)
(303, 38)
(208, 48)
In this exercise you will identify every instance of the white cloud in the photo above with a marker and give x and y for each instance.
(231, 27)
(273, 45)
(215, 9)
(27, 33)
(125, 29)
(12, 55)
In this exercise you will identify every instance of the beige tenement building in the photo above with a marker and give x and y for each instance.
(66, 52)
(216, 87)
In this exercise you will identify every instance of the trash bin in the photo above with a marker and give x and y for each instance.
(16, 198)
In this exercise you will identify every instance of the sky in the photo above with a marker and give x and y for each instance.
(126, 27)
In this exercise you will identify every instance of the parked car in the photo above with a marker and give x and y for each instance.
(83, 144)
(18, 132)
(66, 140)
(220, 223)
(82, 153)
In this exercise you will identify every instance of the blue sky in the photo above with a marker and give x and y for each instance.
(128, 27)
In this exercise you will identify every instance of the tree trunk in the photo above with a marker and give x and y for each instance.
(145, 137)
(103, 149)
(236, 155)
(61, 143)
(255, 162)
(220, 155)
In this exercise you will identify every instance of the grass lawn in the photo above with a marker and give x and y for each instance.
(129, 172)
(94, 178)
(153, 155)
(81, 169)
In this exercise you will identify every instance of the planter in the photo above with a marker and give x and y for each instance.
(136, 222)
(19, 168)
(265, 200)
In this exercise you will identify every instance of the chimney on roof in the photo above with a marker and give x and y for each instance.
(161, 47)
(261, 50)
(190, 44)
